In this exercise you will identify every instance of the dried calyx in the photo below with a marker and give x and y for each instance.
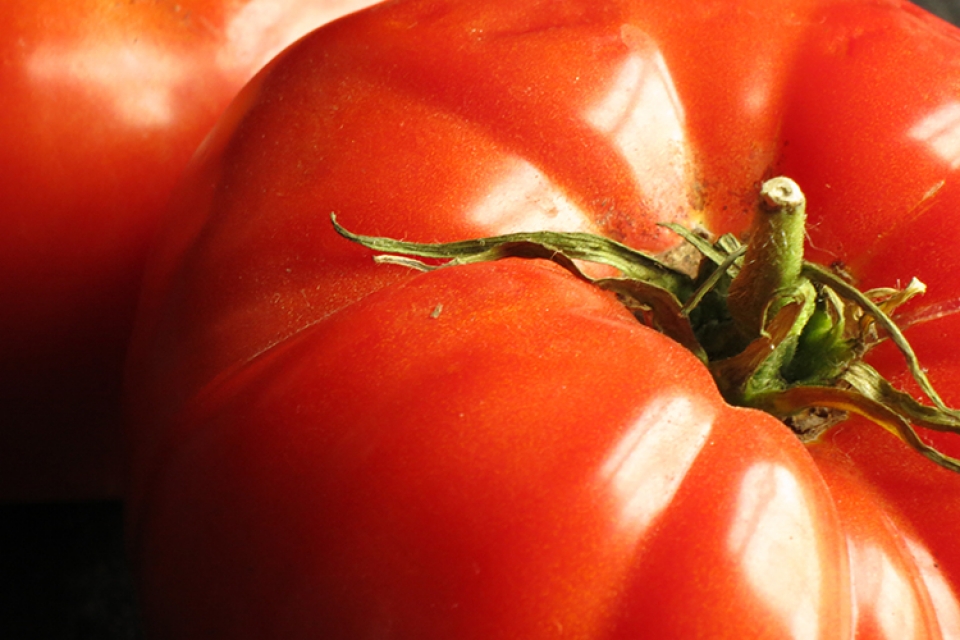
(778, 333)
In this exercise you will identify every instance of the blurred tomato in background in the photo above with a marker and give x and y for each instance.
(102, 104)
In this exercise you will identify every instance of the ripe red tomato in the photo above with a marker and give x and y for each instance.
(102, 105)
(327, 447)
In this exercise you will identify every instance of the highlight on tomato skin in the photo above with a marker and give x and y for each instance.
(102, 105)
(562, 494)
(324, 445)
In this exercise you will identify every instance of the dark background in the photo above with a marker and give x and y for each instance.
(946, 9)
(63, 572)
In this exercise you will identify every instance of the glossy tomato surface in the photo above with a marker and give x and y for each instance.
(102, 104)
(325, 446)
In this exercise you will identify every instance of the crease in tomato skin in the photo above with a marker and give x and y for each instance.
(892, 598)
(874, 106)
(797, 331)
(764, 506)
(255, 464)
(489, 459)
(207, 398)
(660, 37)
(610, 202)
(893, 476)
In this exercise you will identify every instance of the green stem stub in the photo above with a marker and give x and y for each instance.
(769, 274)
(778, 333)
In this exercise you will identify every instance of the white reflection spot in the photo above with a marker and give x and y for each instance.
(940, 130)
(941, 594)
(884, 593)
(641, 101)
(648, 464)
(774, 536)
(644, 116)
(262, 28)
(136, 78)
(525, 200)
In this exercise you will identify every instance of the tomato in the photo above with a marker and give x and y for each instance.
(102, 105)
(327, 446)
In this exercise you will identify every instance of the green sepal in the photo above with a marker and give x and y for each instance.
(631, 263)
(777, 333)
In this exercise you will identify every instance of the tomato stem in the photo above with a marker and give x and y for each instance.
(777, 333)
(770, 272)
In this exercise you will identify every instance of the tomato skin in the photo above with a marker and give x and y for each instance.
(458, 521)
(874, 155)
(301, 463)
(102, 106)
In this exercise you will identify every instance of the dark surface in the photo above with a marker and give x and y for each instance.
(63, 572)
(947, 9)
